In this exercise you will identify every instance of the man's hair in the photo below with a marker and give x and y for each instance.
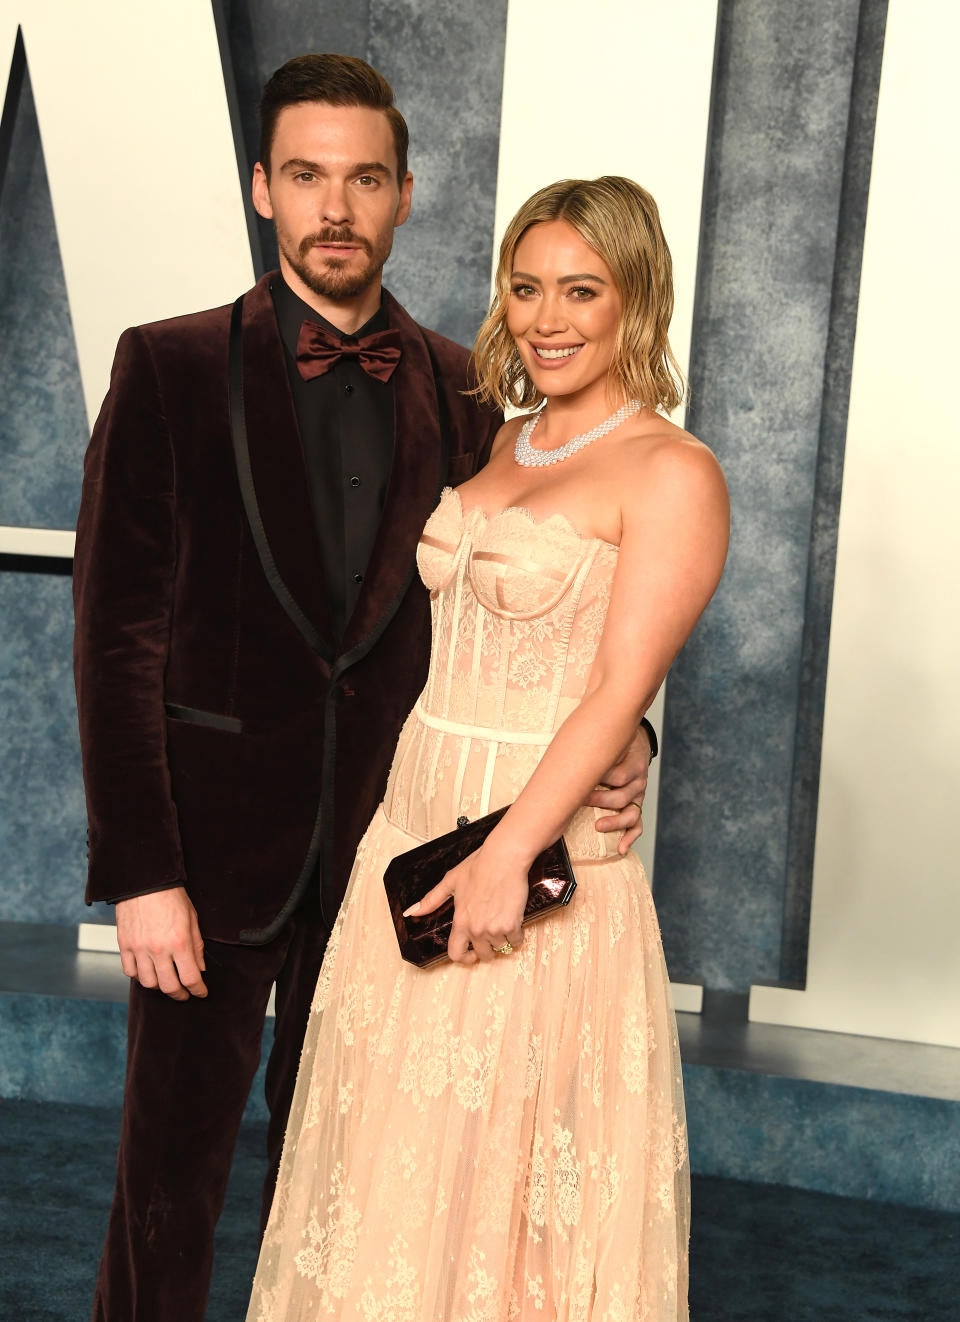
(620, 221)
(334, 80)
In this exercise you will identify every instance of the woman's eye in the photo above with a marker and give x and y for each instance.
(582, 293)
(522, 291)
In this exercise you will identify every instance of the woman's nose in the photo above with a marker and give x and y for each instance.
(550, 316)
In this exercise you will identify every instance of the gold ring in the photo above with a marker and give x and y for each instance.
(505, 949)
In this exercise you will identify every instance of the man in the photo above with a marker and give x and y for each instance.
(250, 637)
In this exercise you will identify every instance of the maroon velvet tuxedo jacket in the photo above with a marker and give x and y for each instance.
(227, 746)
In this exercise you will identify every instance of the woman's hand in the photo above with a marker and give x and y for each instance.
(622, 789)
(490, 894)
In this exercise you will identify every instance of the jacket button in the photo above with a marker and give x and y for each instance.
(354, 481)
(358, 578)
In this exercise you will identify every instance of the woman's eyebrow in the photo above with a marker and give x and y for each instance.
(562, 280)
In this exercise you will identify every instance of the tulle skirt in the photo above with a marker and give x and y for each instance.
(491, 1143)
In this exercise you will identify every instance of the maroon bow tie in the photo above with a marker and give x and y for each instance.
(318, 351)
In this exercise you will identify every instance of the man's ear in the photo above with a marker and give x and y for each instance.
(406, 193)
(260, 189)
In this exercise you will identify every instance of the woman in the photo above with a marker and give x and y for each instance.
(502, 1136)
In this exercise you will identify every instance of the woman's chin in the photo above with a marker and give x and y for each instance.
(556, 385)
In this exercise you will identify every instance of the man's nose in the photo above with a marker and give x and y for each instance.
(335, 206)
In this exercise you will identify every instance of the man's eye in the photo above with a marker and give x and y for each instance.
(366, 180)
(306, 176)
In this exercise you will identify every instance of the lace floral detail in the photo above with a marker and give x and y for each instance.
(428, 1065)
(405, 1182)
(328, 1258)
(400, 1301)
(505, 1142)
(482, 1290)
(567, 1180)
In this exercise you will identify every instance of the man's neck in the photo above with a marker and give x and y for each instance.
(347, 314)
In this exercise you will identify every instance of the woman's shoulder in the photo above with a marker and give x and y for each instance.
(659, 450)
(665, 468)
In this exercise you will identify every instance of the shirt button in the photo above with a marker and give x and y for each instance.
(358, 578)
(354, 481)
(348, 389)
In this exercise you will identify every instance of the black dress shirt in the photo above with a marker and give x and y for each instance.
(346, 428)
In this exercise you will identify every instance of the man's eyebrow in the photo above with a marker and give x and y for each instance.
(298, 163)
(563, 280)
(371, 167)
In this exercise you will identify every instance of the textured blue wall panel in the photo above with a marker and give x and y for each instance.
(43, 425)
(445, 61)
(781, 105)
(818, 608)
(42, 816)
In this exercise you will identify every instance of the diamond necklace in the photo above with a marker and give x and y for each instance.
(525, 454)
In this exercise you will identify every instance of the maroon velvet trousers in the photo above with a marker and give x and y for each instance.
(189, 1070)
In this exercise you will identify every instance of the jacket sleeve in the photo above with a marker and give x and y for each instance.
(123, 592)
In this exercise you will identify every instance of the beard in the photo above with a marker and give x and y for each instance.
(334, 280)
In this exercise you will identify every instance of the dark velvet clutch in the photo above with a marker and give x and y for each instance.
(410, 875)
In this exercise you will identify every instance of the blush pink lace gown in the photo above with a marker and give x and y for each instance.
(505, 1141)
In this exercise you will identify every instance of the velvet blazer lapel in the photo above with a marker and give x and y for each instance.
(277, 464)
(418, 473)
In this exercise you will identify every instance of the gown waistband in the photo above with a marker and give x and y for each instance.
(493, 734)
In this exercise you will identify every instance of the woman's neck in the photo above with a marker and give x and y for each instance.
(566, 416)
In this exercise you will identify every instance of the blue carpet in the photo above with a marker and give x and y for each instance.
(760, 1253)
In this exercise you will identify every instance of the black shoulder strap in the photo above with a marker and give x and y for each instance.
(241, 451)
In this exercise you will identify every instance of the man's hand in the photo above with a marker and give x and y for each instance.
(622, 789)
(160, 943)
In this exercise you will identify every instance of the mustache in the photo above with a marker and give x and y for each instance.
(331, 235)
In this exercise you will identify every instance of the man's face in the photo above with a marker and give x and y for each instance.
(333, 196)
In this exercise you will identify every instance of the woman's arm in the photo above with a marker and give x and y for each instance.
(675, 523)
(672, 550)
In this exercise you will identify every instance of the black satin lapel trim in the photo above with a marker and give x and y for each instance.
(259, 936)
(241, 450)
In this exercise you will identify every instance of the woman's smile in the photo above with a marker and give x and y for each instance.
(556, 355)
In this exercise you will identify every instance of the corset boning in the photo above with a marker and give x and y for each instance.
(518, 609)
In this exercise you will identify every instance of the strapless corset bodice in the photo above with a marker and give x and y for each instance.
(517, 566)
(518, 606)
(518, 609)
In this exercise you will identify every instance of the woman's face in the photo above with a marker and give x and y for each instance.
(563, 311)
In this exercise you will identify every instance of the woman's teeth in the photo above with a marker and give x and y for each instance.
(557, 353)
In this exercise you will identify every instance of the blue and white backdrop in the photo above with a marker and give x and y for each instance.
(803, 831)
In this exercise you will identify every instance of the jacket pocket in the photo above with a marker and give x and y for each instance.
(211, 719)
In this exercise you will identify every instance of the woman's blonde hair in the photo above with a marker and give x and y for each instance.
(620, 221)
